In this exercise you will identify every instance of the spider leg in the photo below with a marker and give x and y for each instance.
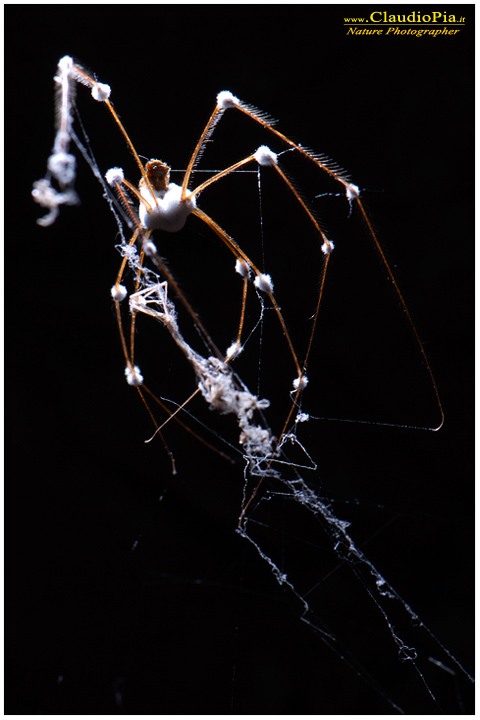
(209, 128)
(263, 282)
(242, 268)
(264, 156)
(174, 416)
(296, 395)
(405, 310)
(101, 93)
(133, 374)
(116, 180)
(353, 194)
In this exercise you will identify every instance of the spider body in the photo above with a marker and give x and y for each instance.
(161, 204)
(164, 209)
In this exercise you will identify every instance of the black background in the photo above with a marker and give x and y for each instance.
(119, 602)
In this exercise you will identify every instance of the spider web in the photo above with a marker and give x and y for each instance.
(293, 528)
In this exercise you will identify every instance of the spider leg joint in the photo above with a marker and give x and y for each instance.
(65, 64)
(327, 247)
(300, 382)
(114, 176)
(119, 292)
(101, 92)
(264, 156)
(150, 248)
(264, 283)
(352, 191)
(226, 99)
(133, 375)
(241, 267)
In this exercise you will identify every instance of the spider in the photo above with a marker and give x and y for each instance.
(166, 206)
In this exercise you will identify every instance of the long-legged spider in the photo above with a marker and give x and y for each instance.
(164, 205)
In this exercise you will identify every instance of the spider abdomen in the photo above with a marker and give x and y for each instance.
(165, 210)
